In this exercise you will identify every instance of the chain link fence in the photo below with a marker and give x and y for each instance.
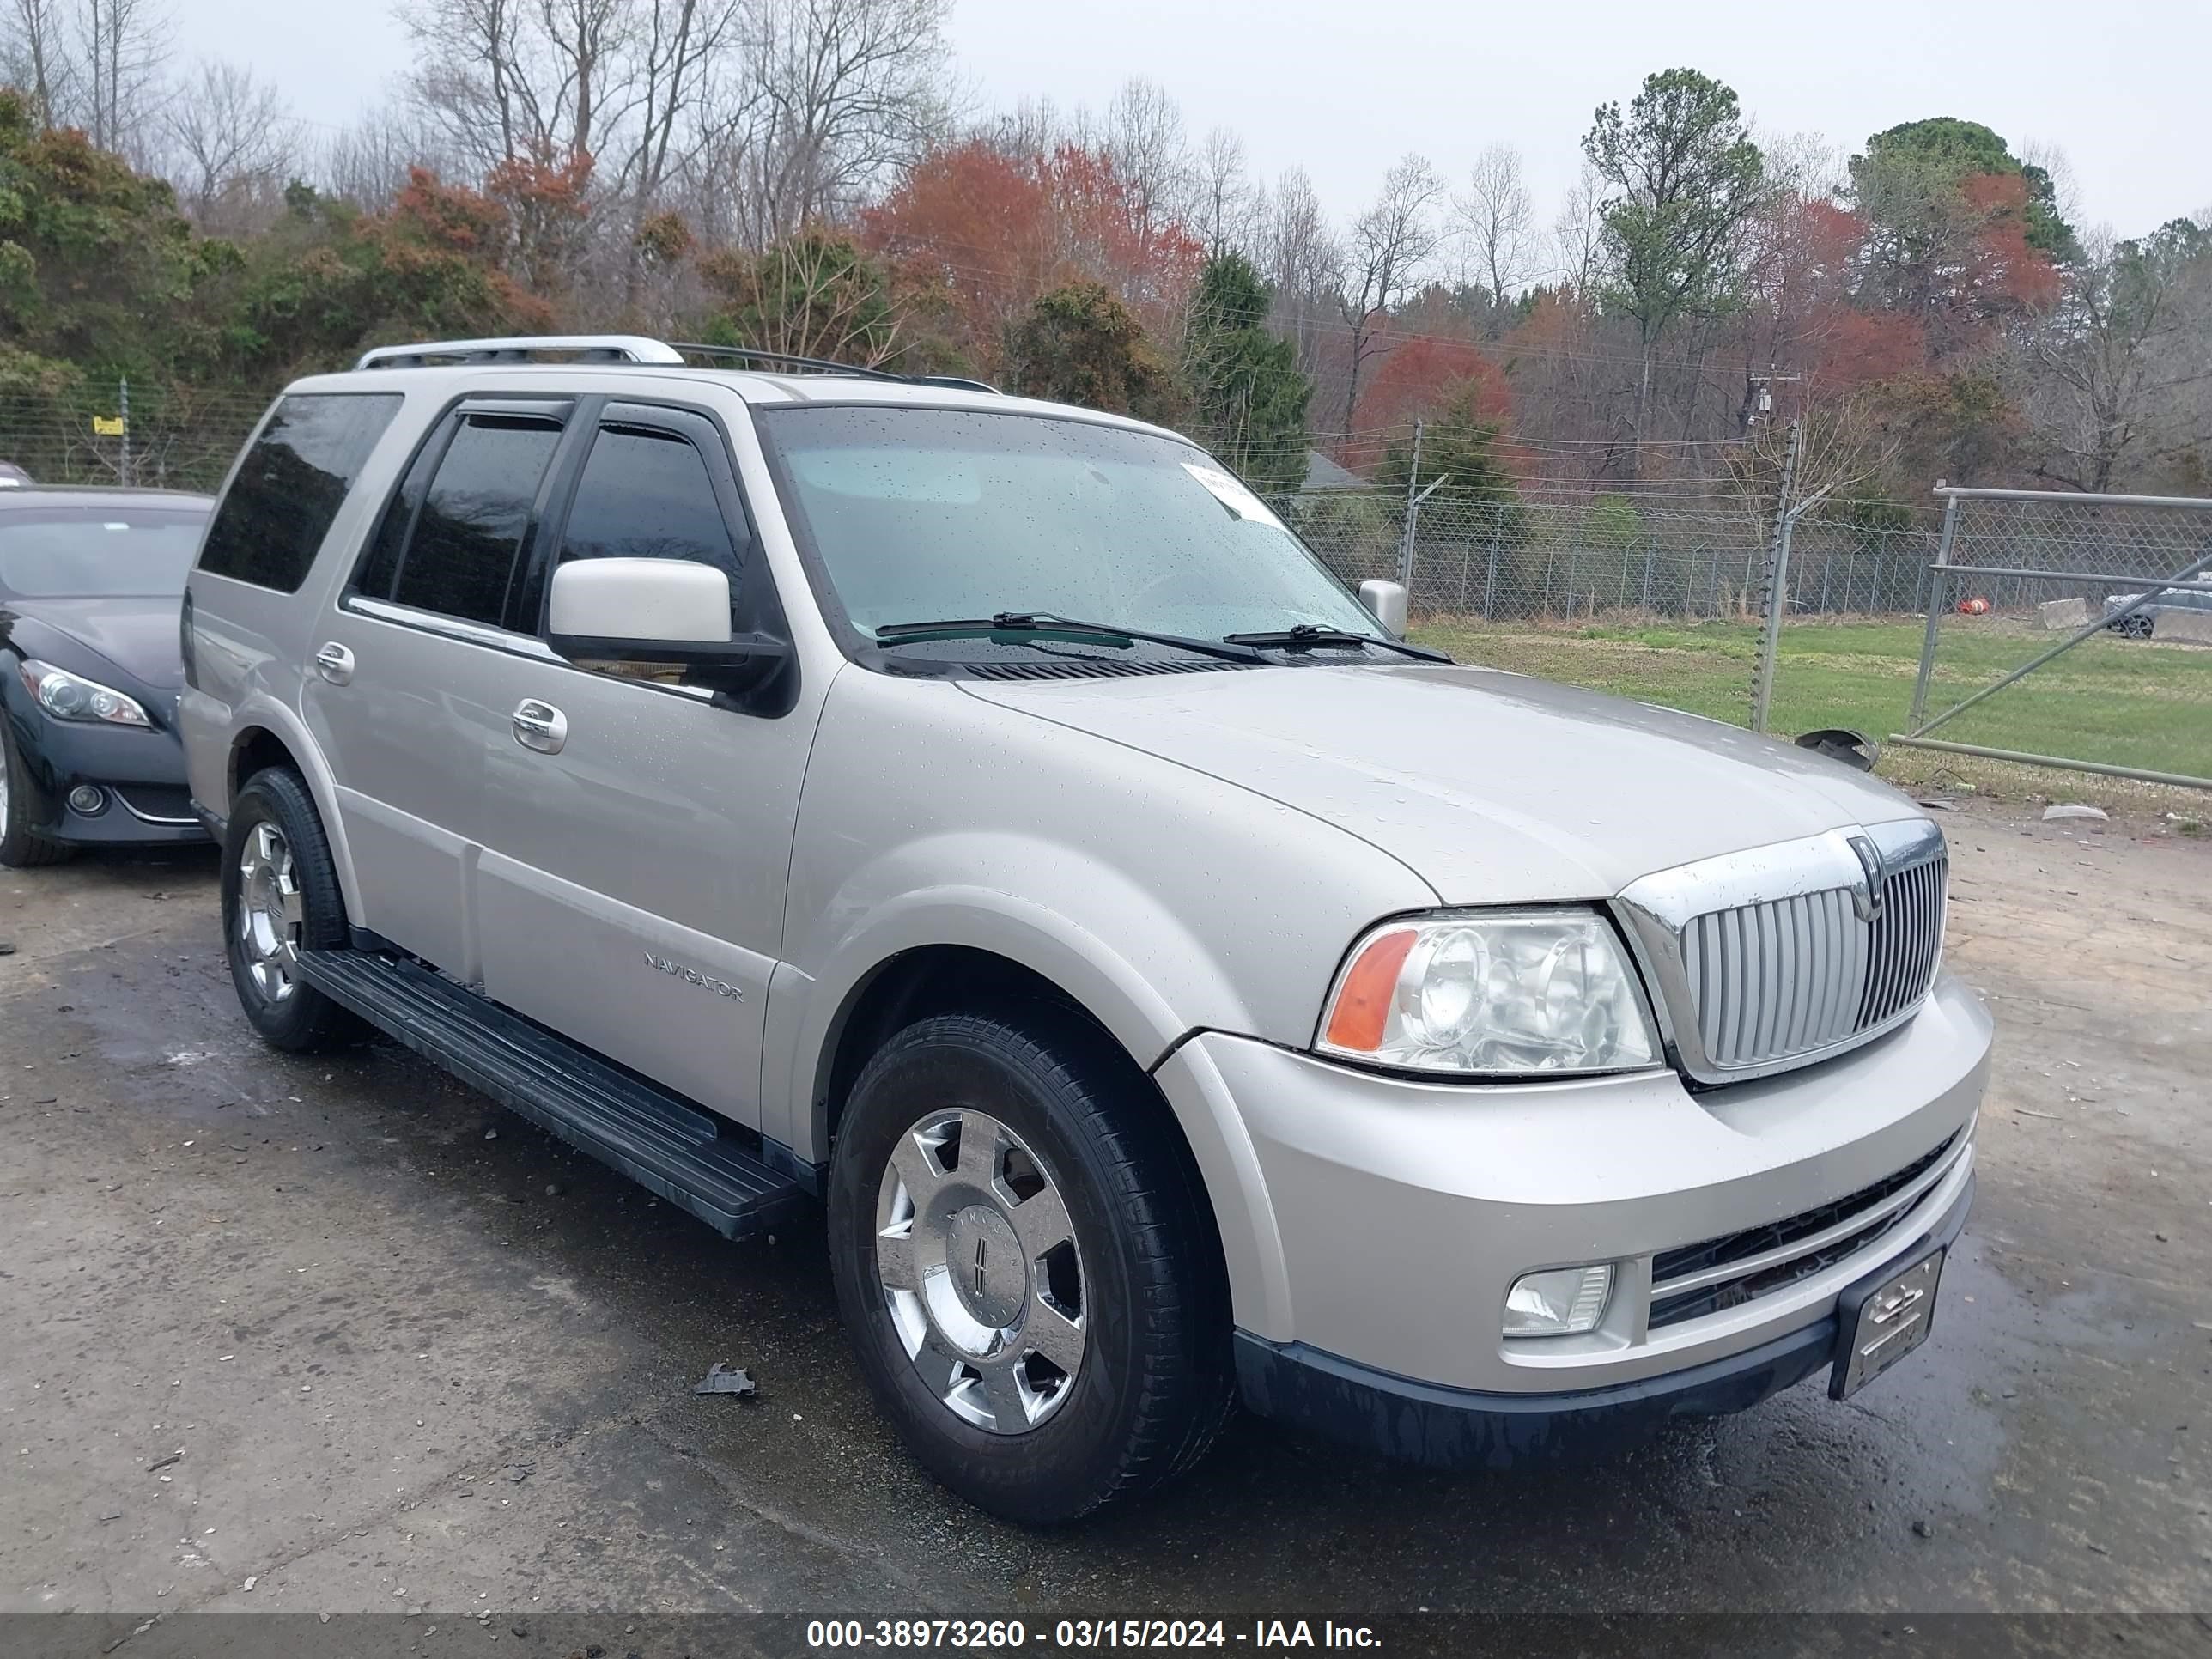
(2070, 630)
(158, 437)
(1659, 595)
(1698, 558)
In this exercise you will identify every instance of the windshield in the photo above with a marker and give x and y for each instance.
(923, 514)
(98, 552)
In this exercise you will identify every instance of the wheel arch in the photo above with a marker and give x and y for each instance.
(918, 979)
(268, 734)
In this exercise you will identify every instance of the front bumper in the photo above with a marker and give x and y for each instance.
(140, 775)
(1380, 1221)
(1466, 1429)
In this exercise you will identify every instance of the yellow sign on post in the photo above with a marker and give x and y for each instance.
(109, 426)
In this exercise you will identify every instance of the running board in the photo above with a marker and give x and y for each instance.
(661, 1141)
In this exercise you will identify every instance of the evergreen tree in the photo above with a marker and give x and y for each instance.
(1079, 345)
(1248, 397)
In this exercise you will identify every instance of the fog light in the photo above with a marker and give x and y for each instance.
(87, 798)
(1564, 1302)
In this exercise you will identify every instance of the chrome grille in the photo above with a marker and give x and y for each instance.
(1905, 940)
(1776, 979)
(1789, 976)
(1769, 957)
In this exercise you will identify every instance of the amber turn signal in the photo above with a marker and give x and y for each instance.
(1363, 1004)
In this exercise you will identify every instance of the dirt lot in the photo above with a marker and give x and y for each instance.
(336, 1335)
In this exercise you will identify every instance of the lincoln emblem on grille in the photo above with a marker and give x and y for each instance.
(1867, 900)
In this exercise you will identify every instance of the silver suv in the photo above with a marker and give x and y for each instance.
(984, 817)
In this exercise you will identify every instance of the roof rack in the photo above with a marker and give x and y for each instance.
(760, 355)
(828, 366)
(631, 348)
(520, 349)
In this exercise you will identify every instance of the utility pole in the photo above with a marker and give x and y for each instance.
(1777, 575)
(1412, 514)
(1759, 396)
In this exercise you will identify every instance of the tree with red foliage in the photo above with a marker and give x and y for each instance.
(546, 205)
(978, 235)
(1418, 377)
(1960, 233)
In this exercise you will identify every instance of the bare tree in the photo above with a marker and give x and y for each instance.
(366, 163)
(1495, 222)
(1578, 234)
(844, 91)
(1224, 207)
(680, 48)
(550, 82)
(1303, 262)
(36, 57)
(1144, 140)
(1389, 245)
(231, 143)
(473, 76)
(2118, 377)
(92, 64)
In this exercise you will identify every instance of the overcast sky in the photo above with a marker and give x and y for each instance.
(1343, 90)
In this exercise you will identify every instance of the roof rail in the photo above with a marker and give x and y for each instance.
(761, 354)
(520, 349)
(631, 348)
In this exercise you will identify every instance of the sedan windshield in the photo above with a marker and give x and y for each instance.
(97, 552)
(927, 515)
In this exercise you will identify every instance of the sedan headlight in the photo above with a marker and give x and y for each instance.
(1491, 992)
(70, 696)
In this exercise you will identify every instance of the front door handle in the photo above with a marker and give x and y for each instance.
(540, 726)
(334, 663)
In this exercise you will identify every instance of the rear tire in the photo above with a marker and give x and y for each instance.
(280, 896)
(1026, 1266)
(21, 801)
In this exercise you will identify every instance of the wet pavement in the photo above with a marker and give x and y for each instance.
(336, 1334)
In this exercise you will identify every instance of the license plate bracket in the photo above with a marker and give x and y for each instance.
(1881, 1319)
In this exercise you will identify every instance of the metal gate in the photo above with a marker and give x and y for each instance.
(2070, 630)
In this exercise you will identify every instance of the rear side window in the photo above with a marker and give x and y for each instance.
(451, 540)
(274, 516)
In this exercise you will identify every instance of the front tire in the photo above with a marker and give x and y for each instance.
(1023, 1260)
(21, 801)
(280, 896)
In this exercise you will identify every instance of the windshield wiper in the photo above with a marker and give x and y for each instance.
(1304, 635)
(1044, 621)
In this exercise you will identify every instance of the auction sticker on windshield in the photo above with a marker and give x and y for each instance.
(1230, 492)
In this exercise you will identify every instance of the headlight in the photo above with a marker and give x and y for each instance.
(70, 696)
(1496, 992)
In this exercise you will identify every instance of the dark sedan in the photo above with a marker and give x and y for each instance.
(91, 582)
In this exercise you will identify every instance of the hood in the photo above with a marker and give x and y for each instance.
(136, 633)
(1494, 788)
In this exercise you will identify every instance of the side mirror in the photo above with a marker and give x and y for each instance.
(657, 610)
(1386, 603)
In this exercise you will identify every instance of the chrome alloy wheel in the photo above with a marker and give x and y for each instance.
(979, 1266)
(269, 912)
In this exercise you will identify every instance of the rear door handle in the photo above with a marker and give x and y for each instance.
(540, 726)
(334, 663)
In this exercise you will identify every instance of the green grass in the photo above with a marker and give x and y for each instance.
(2125, 701)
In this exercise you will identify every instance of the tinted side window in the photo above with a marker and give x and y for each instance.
(470, 528)
(382, 564)
(274, 516)
(645, 495)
